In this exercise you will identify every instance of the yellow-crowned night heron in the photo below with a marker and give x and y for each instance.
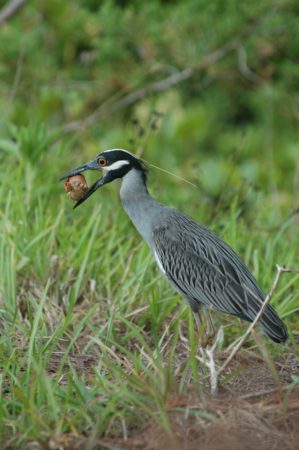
(197, 263)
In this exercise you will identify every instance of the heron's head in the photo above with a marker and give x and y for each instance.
(113, 164)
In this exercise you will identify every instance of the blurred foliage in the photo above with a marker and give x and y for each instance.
(60, 61)
(231, 129)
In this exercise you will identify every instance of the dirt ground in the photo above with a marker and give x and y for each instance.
(256, 408)
(252, 411)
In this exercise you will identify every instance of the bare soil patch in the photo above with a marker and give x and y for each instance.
(252, 412)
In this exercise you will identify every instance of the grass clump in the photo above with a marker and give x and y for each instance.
(95, 348)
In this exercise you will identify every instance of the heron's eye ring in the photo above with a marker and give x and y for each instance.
(102, 161)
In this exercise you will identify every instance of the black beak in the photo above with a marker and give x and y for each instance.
(91, 165)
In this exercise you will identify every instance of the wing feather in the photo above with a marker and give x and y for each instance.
(203, 268)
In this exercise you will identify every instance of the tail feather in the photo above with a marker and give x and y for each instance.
(270, 322)
(273, 326)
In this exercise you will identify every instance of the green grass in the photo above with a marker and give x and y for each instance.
(94, 344)
(91, 333)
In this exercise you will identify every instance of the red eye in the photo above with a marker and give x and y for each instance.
(102, 161)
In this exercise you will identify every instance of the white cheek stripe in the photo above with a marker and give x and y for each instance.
(116, 165)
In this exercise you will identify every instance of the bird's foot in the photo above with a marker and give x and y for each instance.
(206, 340)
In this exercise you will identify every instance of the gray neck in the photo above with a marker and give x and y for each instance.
(138, 204)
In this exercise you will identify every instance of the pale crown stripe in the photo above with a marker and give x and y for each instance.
(118, 149)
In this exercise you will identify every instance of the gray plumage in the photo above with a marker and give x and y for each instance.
(197, 263)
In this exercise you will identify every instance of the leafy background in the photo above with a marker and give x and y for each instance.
(80, 286)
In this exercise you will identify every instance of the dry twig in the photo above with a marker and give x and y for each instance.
(209, 353)
(158, 86)
(10, 9)
(237, 347)
(113, 105)
(269, 296)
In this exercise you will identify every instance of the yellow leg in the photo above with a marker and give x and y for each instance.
(205, 327)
